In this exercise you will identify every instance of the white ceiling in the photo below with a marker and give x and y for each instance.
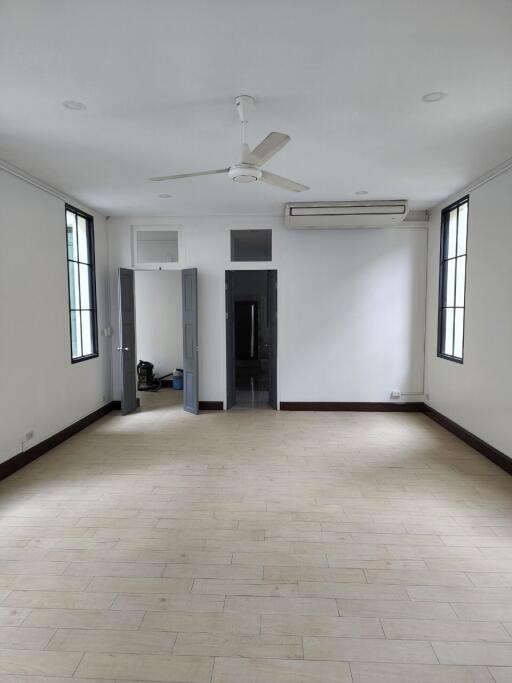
(344, 78)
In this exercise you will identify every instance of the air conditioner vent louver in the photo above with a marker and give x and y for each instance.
(365, 214)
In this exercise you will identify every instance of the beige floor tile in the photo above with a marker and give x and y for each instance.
(225, 572)
(128, 569)
(38, 663)
(313, 625)
(46, 583)
(265, 605)
(418, 673)
(417, 578)
(192, 622)
(83, 618)
(106, 584)
(62, 600)
(186, 556)
(244, 587)
(427, 552)
(236, 670)
(11, 616)
(170, 603)
(22, 638)
(456, 594)
(229, 645)
(317, 559)
(131, 667)
(293, 574)
(111, 640)
(434, 629)
(398, 539)
(40, 568)
(93, 554)
(354, 591)
(469, 565)
(483, 612)
(491, 579)
(368, 650)
(396, 609)
(483, 654)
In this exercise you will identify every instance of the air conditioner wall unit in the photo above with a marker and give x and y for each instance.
(365, 214)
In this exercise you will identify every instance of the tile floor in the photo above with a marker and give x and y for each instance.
(257, 547)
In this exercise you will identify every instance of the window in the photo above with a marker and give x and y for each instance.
(452, 281)
(155, 246)
(81, 285)
(251, 245)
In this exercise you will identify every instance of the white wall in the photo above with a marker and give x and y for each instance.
(351, 305)
(41, 390)
(158, 315)
(477, 394)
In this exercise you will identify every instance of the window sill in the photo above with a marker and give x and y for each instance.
(80, 359)
(454, 359)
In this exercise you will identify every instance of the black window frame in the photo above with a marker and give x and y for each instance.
(445, 218)
(92, 280)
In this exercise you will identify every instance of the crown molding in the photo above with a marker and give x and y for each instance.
(478, 182)
(41, 185)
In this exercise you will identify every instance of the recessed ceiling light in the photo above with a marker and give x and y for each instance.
(74, 105)
(434, 96)
(362, 192)
(164, 196)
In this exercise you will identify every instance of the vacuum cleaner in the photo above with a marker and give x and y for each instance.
(146, 380)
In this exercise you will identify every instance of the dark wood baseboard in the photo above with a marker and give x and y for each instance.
(501, 459)
(25, 457)
(497, 457)
(116, 405)
(211, 405)
(355, 406)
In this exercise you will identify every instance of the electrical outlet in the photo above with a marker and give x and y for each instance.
(28, 436)
(396, 394)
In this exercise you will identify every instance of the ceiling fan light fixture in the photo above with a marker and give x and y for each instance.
(244, 173)
(435, 96)
(74, 105)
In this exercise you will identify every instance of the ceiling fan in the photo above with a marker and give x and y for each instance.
(249, 170)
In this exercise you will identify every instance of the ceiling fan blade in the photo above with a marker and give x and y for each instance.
(267, 148)
(279, 181)
(190, 175)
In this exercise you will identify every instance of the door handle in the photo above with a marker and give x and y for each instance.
(123, 348)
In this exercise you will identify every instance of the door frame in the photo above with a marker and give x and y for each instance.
(133, 388)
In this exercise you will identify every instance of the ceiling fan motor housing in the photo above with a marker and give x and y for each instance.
(244, 173)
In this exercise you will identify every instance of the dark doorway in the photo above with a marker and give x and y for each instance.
(251, 327)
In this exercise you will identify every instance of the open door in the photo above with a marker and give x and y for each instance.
(190, 341)
(126, 348)
(230, 341)
(272, 351)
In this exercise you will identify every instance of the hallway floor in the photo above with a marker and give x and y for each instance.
(257, 547)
